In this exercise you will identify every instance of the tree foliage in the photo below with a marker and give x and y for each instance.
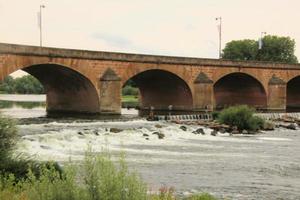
(242, 117)
(23, 85)
(274, 48)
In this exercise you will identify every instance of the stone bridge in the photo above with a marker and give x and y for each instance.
(91, 81)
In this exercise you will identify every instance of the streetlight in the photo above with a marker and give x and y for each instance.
(40, 24)
(220, 35)
(260, 42)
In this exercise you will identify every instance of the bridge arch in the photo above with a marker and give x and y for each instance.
(239, 88)
(293, 94)
(67, 90)
(161, 88)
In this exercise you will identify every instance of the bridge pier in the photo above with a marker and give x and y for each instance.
(276, 94)
(203, 93)
(110, 93)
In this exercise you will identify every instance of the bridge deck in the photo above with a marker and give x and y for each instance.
(127, 57)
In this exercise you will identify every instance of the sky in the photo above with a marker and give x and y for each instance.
(162, 27)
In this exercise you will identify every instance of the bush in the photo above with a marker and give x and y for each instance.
(99, 177)
(215, 115)
(241, 117)
(129, 90)
(8, 137)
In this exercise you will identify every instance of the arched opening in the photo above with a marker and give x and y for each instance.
(238, 89)
(293, 94)
(162, 90)
(67, 91)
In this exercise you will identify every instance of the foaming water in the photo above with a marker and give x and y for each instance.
(263, 166)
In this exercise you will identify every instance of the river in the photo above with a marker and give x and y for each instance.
(264, 166)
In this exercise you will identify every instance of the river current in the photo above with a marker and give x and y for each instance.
(264, 166)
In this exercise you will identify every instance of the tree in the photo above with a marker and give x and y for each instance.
(23, 85)
(275, 49)
(240, 50)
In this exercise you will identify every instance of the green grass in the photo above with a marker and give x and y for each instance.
(130, 98)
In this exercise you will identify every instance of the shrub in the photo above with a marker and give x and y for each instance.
(105, 181)
(8, 137)
(99, 177)
(241, 117)
(215, 115)
(129, 90)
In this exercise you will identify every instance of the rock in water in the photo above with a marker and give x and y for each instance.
(245, 132)
(115, 130)
(160, 135)
(80, 133)
(292, 126)
(184, 128)
(145, 135)
(199, 131)
(96, 132)
(214, 133)
(268, 126)
(235, 132)
(158, 126)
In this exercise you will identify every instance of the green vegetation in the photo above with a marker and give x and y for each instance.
(8, 138)
(97, 178)
(130, 90)
(274, 48)
(242, 117)
(130, 98)
(23, 85)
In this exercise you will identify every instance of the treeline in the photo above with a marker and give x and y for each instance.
(23, 85)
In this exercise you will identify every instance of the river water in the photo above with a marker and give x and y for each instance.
(264, 166)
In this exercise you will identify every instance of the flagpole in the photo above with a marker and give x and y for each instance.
(41, 32)
(220, 36)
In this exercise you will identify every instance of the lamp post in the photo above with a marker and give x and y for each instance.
(40, 24)
(260, 42)
(220, 35)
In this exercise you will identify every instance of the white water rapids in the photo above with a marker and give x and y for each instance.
(264, 166)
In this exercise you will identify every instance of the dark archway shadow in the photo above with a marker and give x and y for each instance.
(67, 90)
(239, 89)
(293, 95)
(160, 89)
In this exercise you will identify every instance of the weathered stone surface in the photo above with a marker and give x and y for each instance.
(276, 81)
(203, 78)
